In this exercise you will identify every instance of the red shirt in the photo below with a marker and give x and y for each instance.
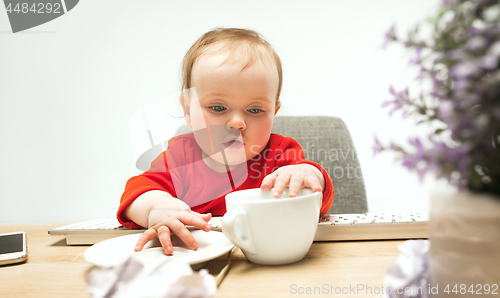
(188, 178)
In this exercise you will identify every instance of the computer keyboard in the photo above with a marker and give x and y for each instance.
(372, 226)
(331, 227)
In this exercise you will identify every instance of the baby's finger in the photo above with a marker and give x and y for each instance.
(179, 229)
(206, 216)
(280, 184)
(312, 182)
(295, 185)
(195, 220)
(268, 181)
(166, 242)
(148, 235)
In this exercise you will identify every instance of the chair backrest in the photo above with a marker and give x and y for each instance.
(326, 141)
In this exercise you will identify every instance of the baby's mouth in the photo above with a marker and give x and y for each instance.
(234, 144)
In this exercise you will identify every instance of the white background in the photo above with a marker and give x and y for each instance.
(68, 88)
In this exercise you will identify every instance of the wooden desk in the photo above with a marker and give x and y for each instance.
(54, 269)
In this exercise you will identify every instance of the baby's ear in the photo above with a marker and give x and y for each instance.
(184, 101)
(277, 108)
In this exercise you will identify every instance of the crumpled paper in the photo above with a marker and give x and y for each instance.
(410, 275)
(136, 277)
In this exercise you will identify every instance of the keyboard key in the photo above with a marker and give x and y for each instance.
(383, 220)
(363, 222)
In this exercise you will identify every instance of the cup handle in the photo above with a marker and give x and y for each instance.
(228, 230)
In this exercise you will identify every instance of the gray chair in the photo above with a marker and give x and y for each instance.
(326, 141)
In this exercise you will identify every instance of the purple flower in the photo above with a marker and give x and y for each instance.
(489, 62)
(389, 36)
(463, 70)
(417, 60)
(387, 103)
(431, 166)
(475, 43)
(473, 30)
(436, 83)
(456, 54)
(377, 147)
(418, 146)
(403, 96)
(445, 109)
(391, 90)
(409, 161)
(460, 85)
(394, 109)
(452, 155)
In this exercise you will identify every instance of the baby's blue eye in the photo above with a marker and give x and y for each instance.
(218, 108)
(254, 111)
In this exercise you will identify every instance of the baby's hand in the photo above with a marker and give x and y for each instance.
(163, 222)
(295, 177)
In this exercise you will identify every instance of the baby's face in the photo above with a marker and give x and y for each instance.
(238, 107)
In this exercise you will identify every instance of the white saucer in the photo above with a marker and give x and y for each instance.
(115, 250)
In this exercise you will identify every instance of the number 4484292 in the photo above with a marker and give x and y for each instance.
(473, 289)
(34, 8)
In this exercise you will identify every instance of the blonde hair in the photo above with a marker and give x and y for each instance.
(245, 46)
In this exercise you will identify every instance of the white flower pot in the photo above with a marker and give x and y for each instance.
(464, 232)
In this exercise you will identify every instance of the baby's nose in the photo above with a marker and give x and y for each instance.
(237, 121)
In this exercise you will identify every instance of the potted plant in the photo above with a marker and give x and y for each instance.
(460, 63)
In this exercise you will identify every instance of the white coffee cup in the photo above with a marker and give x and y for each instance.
(272, 231)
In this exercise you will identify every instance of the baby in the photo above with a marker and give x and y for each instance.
(231, 86)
